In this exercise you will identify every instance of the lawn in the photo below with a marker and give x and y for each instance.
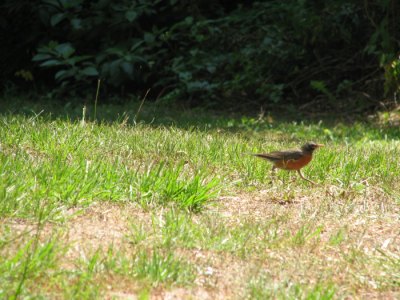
(157, 203)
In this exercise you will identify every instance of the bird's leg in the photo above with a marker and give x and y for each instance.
(273, 171)
(301, 175)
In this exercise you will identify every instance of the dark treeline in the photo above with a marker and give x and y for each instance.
(202, 52)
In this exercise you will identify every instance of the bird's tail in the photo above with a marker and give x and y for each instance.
(264, 156)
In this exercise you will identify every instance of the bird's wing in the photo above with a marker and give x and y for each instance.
(291, 155)
(281, 155)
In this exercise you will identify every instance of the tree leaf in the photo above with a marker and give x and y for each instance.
(41, 56)
(115, 71)
(66, 50)
(131, 15)
(63, 74)
(90, 71)
(76, 23)
(127, 68)
(149, 38)
(136, 46)
(57, 18)
(51, 63)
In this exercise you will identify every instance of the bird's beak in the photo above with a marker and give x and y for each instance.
(320, 145)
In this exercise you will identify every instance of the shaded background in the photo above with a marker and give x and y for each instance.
(236, 55)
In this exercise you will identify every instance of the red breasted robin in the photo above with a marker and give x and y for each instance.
(292, 159)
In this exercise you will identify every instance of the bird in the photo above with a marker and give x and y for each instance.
(292, 159)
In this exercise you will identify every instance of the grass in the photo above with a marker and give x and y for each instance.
(170, 204)
(155, 268)
(263, 287)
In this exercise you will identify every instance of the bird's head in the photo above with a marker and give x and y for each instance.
(311, 146)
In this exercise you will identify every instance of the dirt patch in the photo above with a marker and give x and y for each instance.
(103, 225)
(363, 223)
(97, 226)
(371, 216)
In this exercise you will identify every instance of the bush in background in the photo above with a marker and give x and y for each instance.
(213, 53)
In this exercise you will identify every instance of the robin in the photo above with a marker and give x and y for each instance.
(292, 159)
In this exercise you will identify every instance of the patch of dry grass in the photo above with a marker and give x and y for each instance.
(350, 243)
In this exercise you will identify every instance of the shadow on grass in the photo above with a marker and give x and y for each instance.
(293, 127)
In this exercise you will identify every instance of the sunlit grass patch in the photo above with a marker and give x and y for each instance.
(265, 287)
(158, 177)
(162, 184)
(78, 165)
(34, 265)
(175, 230)
(153, 267)
(23, 266)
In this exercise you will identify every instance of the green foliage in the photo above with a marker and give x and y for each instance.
(321, 87)
(73, 66)
(392, 77)
(207, 52)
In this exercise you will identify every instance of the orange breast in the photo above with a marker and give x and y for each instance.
(293, 164)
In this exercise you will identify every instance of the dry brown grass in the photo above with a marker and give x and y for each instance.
(356, 264)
